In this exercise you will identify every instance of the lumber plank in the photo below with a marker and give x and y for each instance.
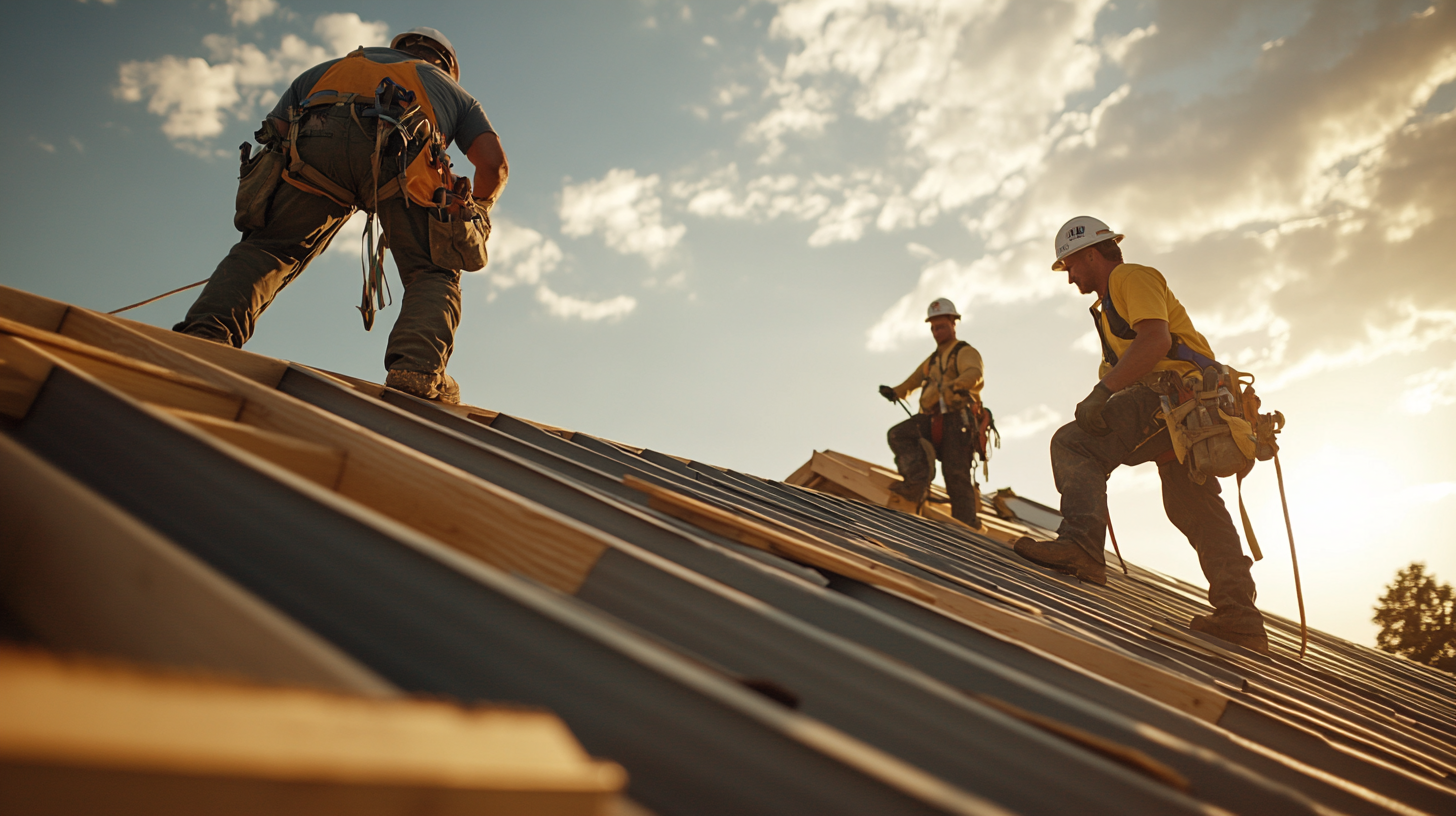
(458, 509)
(98, 738)
(144, 381)
(33, 310)
(23, 370)
(261, 369)
(83, 574)
(1194, 698)
(847, 477)
(317, 463)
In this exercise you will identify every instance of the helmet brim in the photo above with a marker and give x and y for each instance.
(1059, 266)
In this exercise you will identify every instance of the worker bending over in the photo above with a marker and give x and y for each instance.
(1145, 331)
(367, 131)
(947, 425)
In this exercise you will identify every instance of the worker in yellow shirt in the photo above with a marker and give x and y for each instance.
(1145, 332)
(950, 383)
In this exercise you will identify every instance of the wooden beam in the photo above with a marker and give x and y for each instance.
(32, 310)
(143, 381)
(23, 370)
(82, 574)
(317, 463)
(849, 478)
(263, 370)
(460, 510)
(1099, 658)
(87, 738)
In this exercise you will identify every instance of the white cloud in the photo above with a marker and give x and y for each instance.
(625, 209)
(1028, 423)
(519, 255)
(1429, 493)
(43, 145)
(343, 33)
(192, 95)
(248, 12)
(1011, 276)
(197, 98)
(1430, 389)
(572, 308)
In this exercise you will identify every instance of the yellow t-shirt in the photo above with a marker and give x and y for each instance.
(934, 372)
(1141, 293)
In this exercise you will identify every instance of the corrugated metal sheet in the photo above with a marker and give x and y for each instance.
(931, 669)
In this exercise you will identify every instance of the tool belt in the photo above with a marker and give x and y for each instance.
(459, 226)
(1214, 422)
(979, 423)
(258, 177)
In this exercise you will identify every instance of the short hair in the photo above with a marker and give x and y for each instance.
(1110, 250)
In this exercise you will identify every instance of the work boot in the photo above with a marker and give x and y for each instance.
(442, 388)
(904, 505)
(1210, 625)
(1062, 556)
(448, 389)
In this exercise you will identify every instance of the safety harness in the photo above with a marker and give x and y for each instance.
(1214, 423)
(394, 95)
(976, 416)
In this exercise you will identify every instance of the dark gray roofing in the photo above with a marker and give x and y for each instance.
(654, 658)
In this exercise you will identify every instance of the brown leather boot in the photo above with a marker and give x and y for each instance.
(441, 388)
(1210, 625)
(1062, 556)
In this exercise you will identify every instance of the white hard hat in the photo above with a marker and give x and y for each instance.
(435, 36)
(1082, 231)
(941, 307)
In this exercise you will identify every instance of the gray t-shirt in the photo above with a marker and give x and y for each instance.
(457, 114)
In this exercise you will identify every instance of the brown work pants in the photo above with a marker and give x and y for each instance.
(917, 469)
(300, 225)
(1081, 464)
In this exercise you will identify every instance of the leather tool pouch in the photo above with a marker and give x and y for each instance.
(459, 243)
(258, 178)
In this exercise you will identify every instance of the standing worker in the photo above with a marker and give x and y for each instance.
(367, 131)
(1145, 331)
(947, 427)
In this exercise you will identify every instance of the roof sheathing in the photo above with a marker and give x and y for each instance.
(1349, 728)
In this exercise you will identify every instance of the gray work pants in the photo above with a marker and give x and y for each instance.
(1081, 464)
(917, 469)
(299, 227)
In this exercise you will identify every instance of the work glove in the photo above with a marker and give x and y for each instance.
(889, 393)
(1089, 411)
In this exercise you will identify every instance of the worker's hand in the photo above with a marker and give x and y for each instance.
(889, 393)
(1089, 411)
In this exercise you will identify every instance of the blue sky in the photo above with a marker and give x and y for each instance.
(725, 220)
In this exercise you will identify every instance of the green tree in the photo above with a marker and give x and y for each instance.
(1416, 617)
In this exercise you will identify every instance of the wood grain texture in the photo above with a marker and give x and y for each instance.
(320, 464)
(1099, 658)
(122, 740)
(32, 310)
(448, 504)
(23, 371)
(141, 380)
(263, 370)
(83, 574)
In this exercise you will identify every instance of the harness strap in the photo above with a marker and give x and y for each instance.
(1179, 350)
(1248, 527)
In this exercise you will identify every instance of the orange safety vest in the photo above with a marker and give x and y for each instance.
(355, 79)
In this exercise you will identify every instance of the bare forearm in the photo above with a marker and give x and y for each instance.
(491, 168)
(1150, 346)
